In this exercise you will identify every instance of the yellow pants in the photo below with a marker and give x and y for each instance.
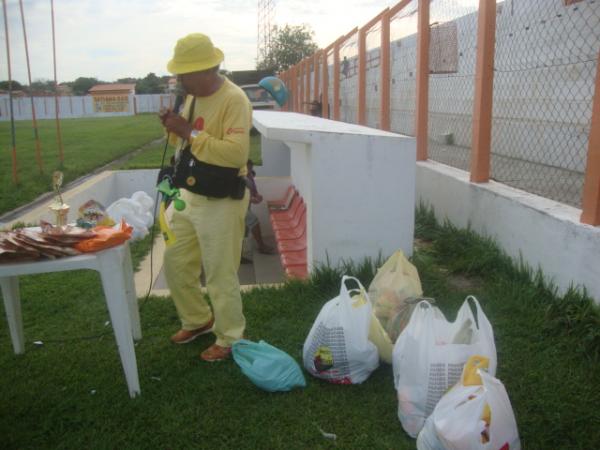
(208, 234)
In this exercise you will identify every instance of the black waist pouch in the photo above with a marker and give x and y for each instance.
(207, 179)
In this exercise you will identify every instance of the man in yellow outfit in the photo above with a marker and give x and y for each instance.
(215, 123)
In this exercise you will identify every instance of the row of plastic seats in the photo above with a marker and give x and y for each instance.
(288, 219)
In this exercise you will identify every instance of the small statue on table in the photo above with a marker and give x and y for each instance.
(60, 208)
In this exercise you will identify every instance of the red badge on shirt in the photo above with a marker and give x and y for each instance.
(199, 124)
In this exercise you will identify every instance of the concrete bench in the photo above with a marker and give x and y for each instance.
(357, 185)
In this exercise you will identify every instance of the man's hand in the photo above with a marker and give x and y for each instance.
(163, 113)
(177, 125)
(255, 199)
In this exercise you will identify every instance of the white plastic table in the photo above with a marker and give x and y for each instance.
(114, 265)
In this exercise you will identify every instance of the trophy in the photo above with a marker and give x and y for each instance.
(60, 209)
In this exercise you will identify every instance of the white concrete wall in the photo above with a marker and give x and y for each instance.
(151, 103)
(105, 188)
(76, 106)
(275, 159)
(545, 233)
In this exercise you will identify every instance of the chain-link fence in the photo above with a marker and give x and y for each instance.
(544, 76)
(373, 76)
(349, 79)
(330, 62)
(403, 81)
(545, 65)
(452, 57)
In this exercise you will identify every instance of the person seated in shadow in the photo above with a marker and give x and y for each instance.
(252, 223)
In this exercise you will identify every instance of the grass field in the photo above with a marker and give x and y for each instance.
(88, 143)
(71, 393)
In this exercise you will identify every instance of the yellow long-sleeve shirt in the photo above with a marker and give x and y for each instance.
(225, 119)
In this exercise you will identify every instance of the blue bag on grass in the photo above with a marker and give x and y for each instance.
(267, 367)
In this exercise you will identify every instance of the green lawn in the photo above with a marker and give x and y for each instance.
(71, 393)
(88, 143)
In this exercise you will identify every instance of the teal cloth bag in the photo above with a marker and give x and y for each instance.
(267, 367)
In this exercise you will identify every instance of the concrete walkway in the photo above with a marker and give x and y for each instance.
(265, 270)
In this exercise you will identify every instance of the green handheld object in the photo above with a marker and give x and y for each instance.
(170, 192)
(179, 204)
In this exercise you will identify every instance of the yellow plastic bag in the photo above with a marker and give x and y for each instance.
(393, 292)
(380, 338)
(377, 334)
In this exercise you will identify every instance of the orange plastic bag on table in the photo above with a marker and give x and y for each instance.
(106, 237)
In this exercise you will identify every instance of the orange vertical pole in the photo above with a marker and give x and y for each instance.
(484, 92)
(290, 80)
(307, 87)
(61, 155)
(336, 80)
(384, 105)
(36, 135)
(299, 106)
(422, 89)
(362, 76)
(290, 103)
(325, 81)
(316, 87)
(591, 186)
(295, 85)
(15, 174)
(284, 80)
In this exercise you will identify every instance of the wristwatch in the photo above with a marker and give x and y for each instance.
(193, 135)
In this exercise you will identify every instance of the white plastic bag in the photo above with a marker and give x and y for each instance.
(475, 414)
(429, 356)
(137, 212)
(337, 348)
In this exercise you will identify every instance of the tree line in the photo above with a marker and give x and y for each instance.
(150, 84)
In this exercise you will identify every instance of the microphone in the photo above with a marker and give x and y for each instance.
(178, 102)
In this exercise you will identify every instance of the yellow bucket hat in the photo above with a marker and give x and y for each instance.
(194, 53)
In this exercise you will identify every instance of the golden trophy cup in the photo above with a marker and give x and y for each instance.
(58, 207)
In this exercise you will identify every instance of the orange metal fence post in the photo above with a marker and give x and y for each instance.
(299, 105)
(284, 78)
(293, 88)
(316, 90)
(307, 87)
(422, 80)
(484, 92)
(336, 80)
(325, 81)
(384, 105)
(591, 186)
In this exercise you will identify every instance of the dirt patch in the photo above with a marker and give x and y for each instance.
(421, 244)
(463, 283)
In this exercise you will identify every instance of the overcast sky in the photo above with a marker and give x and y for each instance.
(110, 39)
